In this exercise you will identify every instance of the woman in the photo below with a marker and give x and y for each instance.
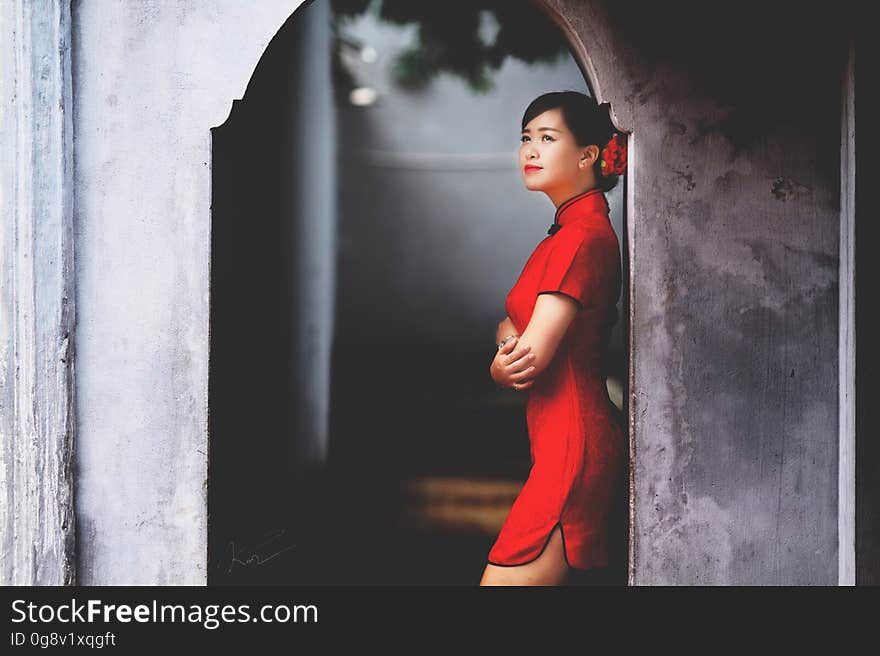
(555, 337)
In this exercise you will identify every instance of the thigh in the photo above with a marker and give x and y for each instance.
(550, 568)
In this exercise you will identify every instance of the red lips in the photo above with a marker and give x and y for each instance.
(531, 167)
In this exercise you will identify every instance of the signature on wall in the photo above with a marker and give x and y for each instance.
(259, 554)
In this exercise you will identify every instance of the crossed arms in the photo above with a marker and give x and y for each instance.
(522, 359)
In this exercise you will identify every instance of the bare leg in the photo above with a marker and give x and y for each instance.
(550, 568)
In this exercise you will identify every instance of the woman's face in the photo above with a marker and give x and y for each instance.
(551, 161)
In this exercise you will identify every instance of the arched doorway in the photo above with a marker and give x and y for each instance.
(405, 473)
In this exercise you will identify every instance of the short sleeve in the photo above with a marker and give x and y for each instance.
(581, 267)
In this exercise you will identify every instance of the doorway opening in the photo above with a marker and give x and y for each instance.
(368, 221)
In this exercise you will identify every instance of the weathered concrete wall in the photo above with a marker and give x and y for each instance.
(734, 219)
(36, 305)
(149, 80)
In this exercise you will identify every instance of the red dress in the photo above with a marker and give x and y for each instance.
(576, 435)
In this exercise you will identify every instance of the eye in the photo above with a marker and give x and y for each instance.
(523, 138)
(549, 137)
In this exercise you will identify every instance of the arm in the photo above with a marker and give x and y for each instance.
(510, 363)
(518, 361)
(550, 320)
(578, 273)
(581, 271)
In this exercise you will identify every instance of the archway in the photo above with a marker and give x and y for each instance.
(274, 495)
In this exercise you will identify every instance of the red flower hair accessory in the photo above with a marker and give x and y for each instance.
(613, 156)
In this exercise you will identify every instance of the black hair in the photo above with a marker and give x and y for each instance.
(589, 122)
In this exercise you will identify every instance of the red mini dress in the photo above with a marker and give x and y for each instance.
(577, 441)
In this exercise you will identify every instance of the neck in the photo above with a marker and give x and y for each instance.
(575, 187)
(561, 198)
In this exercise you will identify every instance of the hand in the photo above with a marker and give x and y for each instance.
(512, 365)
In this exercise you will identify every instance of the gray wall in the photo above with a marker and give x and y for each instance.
(312, 210)
(37, 318)
(734, 226)
(149, 81)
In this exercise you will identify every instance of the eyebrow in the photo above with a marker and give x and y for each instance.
(544, 128)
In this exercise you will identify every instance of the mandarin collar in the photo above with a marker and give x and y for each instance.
(577, 206)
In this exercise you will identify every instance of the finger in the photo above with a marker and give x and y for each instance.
(521, 386)
(510, 342)
(518, 353)
(522, 375)
(508, 345)
(526, 361)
